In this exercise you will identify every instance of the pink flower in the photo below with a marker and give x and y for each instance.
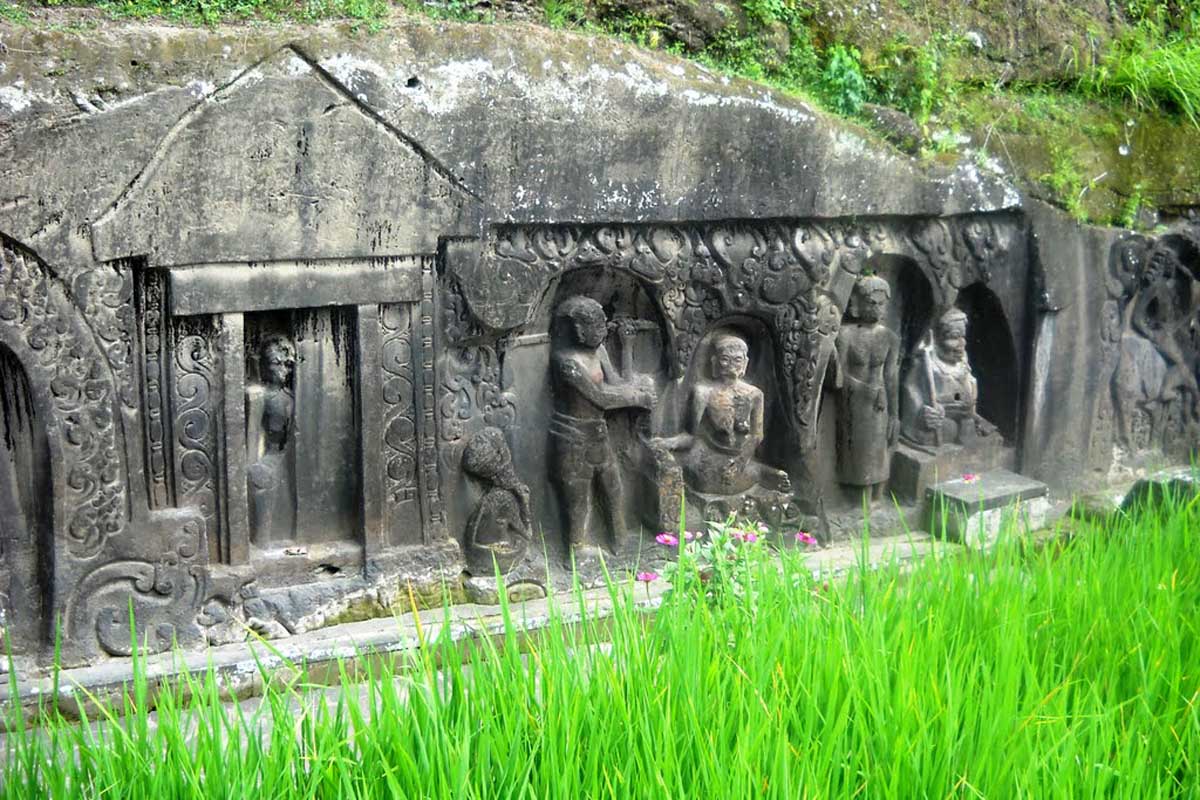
(804, 537)
(668, 539)
(969, 477)
(746, 536)
(647, 577)
(691, 536)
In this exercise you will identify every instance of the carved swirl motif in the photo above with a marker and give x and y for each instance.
(44, 330)
(195, 432)
(160, 594)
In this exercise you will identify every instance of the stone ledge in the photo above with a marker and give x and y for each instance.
(240, 667)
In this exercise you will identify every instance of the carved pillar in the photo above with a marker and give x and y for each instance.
(235, 533)
(196, 408)
(401, 509)
(432, 504)
(155, 358)
(371, 430)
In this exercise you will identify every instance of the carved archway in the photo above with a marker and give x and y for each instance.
(71, 387)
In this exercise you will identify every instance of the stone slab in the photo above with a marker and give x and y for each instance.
(914, 470)
(975, 510)
(222, 288)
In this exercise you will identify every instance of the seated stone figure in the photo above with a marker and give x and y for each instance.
(942, 435)
(724, 429)
(939, 396)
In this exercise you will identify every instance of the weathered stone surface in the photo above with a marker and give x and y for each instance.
(297, 326)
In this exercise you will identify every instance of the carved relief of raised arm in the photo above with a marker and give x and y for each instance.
(605, 395)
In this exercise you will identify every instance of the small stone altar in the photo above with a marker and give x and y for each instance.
(977, 508)
(300, 328)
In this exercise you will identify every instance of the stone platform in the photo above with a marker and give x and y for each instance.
(974, 509)
(915, 469)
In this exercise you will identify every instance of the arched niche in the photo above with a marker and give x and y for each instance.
(993, 357)
(778, 447)
(26, 514)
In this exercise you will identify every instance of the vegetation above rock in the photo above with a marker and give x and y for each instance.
(1090, 105)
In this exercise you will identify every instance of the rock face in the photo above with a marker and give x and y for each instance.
(294, 320)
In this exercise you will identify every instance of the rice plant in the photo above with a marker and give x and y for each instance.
(1067, 671)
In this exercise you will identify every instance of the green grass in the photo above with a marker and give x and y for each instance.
(1072, 671)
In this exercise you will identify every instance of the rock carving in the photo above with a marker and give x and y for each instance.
(500, 527)
(587, 386)
(940, 391)
(269, 408)
(865, 374)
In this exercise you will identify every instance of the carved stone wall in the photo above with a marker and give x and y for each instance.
(426, 239)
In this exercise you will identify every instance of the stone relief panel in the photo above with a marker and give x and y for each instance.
(270, 406)
(940, 394)
(1151, 333)
(795, 277)
(500, 526)
(716, 453)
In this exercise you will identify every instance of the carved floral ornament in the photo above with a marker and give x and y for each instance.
(791, 276)
(68, 370)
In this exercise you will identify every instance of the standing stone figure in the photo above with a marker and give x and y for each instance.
(937, 404)
(866, 373)
(586, 387)
(725, 428)
(269, 408)
(499, 527)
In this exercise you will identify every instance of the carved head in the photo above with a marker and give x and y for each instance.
(730, 357)
(586, 318)
(486, 455)
(277, 360)
(869, 299)
(950, 336)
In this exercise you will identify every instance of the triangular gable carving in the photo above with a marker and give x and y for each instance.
(284, 163)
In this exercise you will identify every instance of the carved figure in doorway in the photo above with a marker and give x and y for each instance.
(586, 387)
(500, 525)
(866, 375)
(269, 409)
(939, 395)
(725, 428)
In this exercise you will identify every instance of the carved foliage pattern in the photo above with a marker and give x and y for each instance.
(56, 348)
